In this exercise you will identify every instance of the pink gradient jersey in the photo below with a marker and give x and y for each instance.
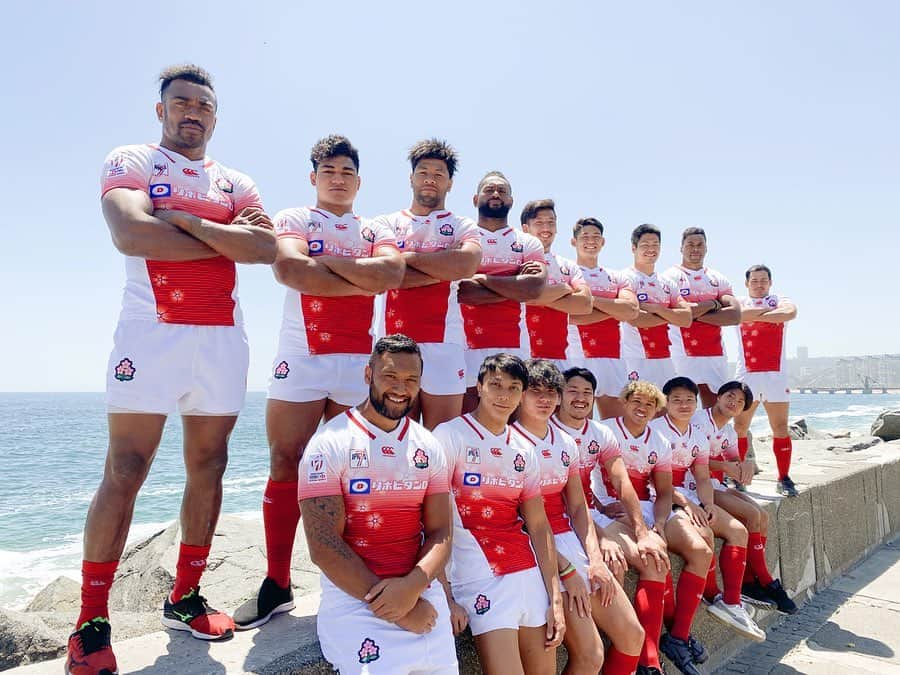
(557, 455)
(722, 442)
(330, 325)
(688, 448)
(761, 345)
(191, 292)
(384, 477)
(648, 343)
(548, 328)
(490, 481)
(602, 340)
(427, 313)
(596, 446)
(499, 325)
(643, 456)
(698, 339)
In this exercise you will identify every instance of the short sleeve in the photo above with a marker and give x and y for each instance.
(439, 476)
(532, 249)
(609, 446)
(246, 194)
(574, 456)
(467, 231)
(576, 278)
(663, 451)
(320, 473)
(628, 281)
(446, 439)
(730, 451)
(677, 290)
(725, 287)
(291, 223)
(129, 166)
(383, 235)
(532, 485)
(702, 457)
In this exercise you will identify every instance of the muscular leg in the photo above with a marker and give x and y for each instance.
(439, 408)
(205, 459)
(289, 426)
(778, 418)
(619, 622)
(332, 410)
(707, 396)
(535, 660)
(582, 642)
(608, 406)
(498, 652)
(743, 420)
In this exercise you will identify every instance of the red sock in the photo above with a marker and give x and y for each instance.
(733, 561)
(743, 447)
(712, 584)
(669, 602)
(756, 558)
(690, 590)
(782, 448)
(96, 580)
(281, 513)
(648, 605)
(188, 569)
(617, 663)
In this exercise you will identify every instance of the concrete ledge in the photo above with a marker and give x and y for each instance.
(848, 505)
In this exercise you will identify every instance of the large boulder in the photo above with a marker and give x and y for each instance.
(27, 639)
(887, 425)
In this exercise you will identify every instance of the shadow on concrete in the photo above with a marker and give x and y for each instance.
(184, 654)
(299, 632)
(833, 638)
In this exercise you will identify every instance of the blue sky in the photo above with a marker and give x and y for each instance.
(772, 125)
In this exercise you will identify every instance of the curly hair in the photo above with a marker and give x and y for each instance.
(434, 148)
(184, 71)
(333, 146)
(648, 389)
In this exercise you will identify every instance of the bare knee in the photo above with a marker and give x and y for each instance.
(586, 660)
(633, 639)
(285, 458)
(208, 463)
(736, 534)
(125, 472)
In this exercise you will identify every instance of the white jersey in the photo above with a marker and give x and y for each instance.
(688, 449)
(648, 343)
(548, 328)
(596, 447)
(723, 441)
(698, 339)
(762, 347)
(602, 339)
(643, 456)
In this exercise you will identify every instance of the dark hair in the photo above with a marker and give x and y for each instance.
(757, 268)
(333, 146)
(434, 148)
(582, 223)
(681, 383)
(734, 384)
(569, 373)
(544, 373)
(504, 363)
(184, 71)
(530, 210)
(395, 344)
(641, 230)
(691, 231)
(494, 174)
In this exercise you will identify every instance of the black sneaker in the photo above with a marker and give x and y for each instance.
(786, 487)
(679, 653)
(89, 651)
(754, 594)
(193, 614)
(649, 670)
(777, 593)
(272, 599)
(698, 651)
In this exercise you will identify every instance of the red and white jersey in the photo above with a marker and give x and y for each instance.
(193, 292)
(643, 456)
(557, 455)
(427, 313)
(500, 324)
(490, 480)
(330, 325)
(648, 343)
(384, 477)
(548, 328)
(723, 443)
(698, 339)
(688, 448)
(602, 340)
(596, 446)
(761, 345)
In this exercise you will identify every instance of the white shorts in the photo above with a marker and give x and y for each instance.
(717, 484)
(509, 601)
(354, 640)
(690, 495)
(647, 512)
(475, 357)
(610, 373)
(300, 379)
(443, 369)
(160, 368)
(771, 387)
(569, 545)
(601, 519)
(657, 371)
(709, 370)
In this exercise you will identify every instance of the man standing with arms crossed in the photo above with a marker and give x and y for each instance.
(513, 270)
(333, 263)
(439, 248)
(698, 351)
(183, 221)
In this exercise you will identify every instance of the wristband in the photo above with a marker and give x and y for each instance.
(568, 572)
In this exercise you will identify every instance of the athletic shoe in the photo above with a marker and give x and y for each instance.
(649, 670)
(679, 653)
(698, 651)
(780, 597)
(738, 485)
(737, 618)
(89, 651)
(754, 594)
(272, 599)
(786, 487)
(193, 614)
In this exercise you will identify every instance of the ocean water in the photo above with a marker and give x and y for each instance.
(52, 448)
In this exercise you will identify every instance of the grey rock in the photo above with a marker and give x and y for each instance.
(887, 425)
(62, 594)
(26, 639)
(853, 444)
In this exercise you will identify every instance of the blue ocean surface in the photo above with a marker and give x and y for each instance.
(52, 448)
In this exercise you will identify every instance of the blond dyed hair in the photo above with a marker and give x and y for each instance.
(648, 389)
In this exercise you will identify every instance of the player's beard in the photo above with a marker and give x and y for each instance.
(487, 211)
(429, 201)
(385, 408)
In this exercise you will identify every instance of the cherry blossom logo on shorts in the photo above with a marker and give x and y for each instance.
(368, 651)
(446, 229)
(633, 376)
(692, 486)
(564, 457)
(652, 458)
(482, 604)
(420, 459)
(519, 463)
(125, 370)
(593, 447)
(281, 371)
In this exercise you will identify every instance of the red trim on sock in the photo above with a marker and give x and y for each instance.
(743, 447)
(782, 448)
(96, 581)
(281, 513)
(648, 605)
(733, 561)
(687, 600)
(712, 583)
(189, 569)
(756, 558)
(617, 663)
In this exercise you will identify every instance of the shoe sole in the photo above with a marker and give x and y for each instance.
(762, 604)
(280, 609)
(174, 624)
(690, 664)
(724, 618)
